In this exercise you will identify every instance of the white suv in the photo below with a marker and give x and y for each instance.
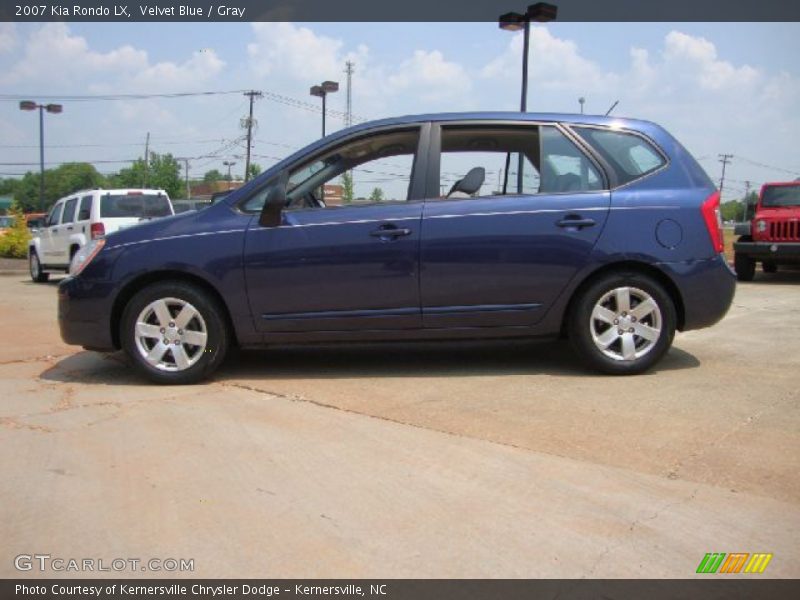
(87, 215)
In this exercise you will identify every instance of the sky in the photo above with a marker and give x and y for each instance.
(731, 88)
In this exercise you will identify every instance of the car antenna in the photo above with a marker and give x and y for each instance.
(613, 106)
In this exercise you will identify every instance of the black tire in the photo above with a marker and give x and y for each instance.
(581, 323)
(769, 267)
(35, 268)
(745, 267)
(213, 321)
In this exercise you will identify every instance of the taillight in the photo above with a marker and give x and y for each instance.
(713, 219)
(98, 230)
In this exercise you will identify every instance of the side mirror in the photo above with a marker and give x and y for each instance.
(272, 210)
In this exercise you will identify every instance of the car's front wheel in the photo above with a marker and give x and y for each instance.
(35, 267)
(622, 323)
(175, 333)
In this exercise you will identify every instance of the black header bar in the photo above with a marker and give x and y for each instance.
(392, 10)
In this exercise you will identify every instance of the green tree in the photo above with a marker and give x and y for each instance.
(731, 210)
(14, 243)
(212, 176)
(8, 186)
(253, 171)
(347, 185)
(58, 182)
(376, 195)
(163, 172)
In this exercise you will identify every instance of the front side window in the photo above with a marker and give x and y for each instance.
(630, 155)
(487, 161)
(371, 169)
(54, 214)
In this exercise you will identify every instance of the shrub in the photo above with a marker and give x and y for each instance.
(14, 243)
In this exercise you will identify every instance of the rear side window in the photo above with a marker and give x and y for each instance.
(85, 212)
(629, 155)
(69, 210)
(134, 206)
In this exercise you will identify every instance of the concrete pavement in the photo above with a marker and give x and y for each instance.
(427, 460)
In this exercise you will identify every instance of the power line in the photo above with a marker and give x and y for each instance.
(114, 145)
(772, 167)
(110, 97)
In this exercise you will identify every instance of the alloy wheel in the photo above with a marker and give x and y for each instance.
(626, 323)
(171, 334)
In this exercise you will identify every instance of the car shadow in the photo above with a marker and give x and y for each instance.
(784, 276)
(348, 361)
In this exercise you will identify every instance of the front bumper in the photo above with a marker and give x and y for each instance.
(780, 252)
(84, 314)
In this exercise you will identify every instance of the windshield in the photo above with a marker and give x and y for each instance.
(134, 205)
(781, 195)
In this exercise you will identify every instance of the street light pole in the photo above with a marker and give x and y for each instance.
(321, 91)
(540, 12)
(41, 158)
(324, 96)
(229, 164)
(51, 108)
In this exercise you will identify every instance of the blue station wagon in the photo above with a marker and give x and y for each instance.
(450, 226)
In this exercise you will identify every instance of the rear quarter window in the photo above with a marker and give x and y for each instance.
(631, 156)
(134, 206)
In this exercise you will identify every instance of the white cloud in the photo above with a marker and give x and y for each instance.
(697, 57)
(430, 76)
(298, 52)
(556, 64)
(53, 55)
(8, 37)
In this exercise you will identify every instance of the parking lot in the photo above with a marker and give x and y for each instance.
(425, 460)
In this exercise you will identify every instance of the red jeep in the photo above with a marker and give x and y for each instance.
(774, 233)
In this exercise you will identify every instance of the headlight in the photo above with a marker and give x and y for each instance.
(85, 255)
(761, 226)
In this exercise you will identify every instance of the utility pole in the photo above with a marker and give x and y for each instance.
(747, 185)
(146, 159)
(724, 159)
(349, 115)
(252, 94)
(186, 166)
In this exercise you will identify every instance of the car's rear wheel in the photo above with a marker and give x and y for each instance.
(745, 267)
(35, 267)
(622, 323)
(175, 333)
(769, 267)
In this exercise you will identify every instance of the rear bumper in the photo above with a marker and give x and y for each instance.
(786, 252)
(706, 287)
(83, 317)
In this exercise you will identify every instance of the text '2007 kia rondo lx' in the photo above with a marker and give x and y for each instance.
(450, 226)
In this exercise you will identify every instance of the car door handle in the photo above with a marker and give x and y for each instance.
(69, 228)
(575, 222)
(389, 231)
